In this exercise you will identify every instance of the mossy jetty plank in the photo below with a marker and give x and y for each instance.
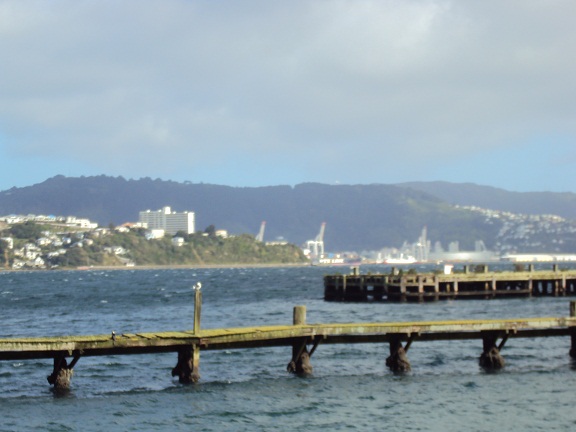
(280, 335)
(493, 333)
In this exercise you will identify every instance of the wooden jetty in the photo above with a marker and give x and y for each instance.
(479, 284)
(301, 337)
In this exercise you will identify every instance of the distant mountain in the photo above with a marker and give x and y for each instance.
(358, 217)
(468, 194)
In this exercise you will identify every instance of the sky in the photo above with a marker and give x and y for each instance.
(262, 93)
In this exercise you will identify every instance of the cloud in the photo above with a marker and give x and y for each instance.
(313, 88)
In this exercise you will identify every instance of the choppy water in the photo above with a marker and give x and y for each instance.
(249, 390)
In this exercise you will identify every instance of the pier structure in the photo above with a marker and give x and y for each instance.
(301, 337)
(479, 284)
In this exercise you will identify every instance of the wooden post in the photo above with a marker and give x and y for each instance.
(436, 288)
(62, 373)
(403, 283)
(299, 315)
(490, 288)
(490, 359)
(187, 368)
(556, 288)
(573, 331)
(197, 307)
(300, 363)
(397, 361)
(420, 288)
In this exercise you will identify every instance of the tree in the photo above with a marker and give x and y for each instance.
(76, 257)
(26, 231)
(182, 234)
(4, 250)
(211, 231)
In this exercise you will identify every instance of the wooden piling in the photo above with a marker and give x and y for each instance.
(62, 372)
(490, 359)
(300, 363)
(61, 375)
(573, 331)
(299, 315)
(187, 368)
(197, 307)
(397, 361)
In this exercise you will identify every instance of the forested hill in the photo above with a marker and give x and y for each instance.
(468, 194)
(358, 217)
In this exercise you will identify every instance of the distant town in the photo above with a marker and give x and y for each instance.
(518, 233)
(50, 246)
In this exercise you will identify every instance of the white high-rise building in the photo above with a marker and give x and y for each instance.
(169, 221)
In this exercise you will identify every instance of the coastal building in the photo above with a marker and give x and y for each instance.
(155, 234)
(9, 241)
(170, 221)
(178, 241)
(221, 233)
(80, 222)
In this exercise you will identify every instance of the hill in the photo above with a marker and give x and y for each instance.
(50, 245)
(358, 217)
(469, 194)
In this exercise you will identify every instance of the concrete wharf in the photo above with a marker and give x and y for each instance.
(478, 284)
(301, 337)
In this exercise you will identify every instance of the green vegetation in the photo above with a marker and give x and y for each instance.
(200, 249)
(113, 248)
(4, 253)
(27, 231)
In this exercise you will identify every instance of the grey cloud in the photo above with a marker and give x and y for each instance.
(333, 80)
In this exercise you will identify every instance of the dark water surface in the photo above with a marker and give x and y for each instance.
(249, 390)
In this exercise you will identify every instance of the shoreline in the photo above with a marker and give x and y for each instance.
(160, 267)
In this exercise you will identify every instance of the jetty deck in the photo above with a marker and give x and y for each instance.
(480, 284)
(279, 335)
(303, 338)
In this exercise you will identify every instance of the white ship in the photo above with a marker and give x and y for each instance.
(402, 259)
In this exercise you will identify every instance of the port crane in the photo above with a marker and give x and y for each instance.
(316, 246)
(260, 236)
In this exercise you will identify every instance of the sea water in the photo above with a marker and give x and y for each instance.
(250, 390)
